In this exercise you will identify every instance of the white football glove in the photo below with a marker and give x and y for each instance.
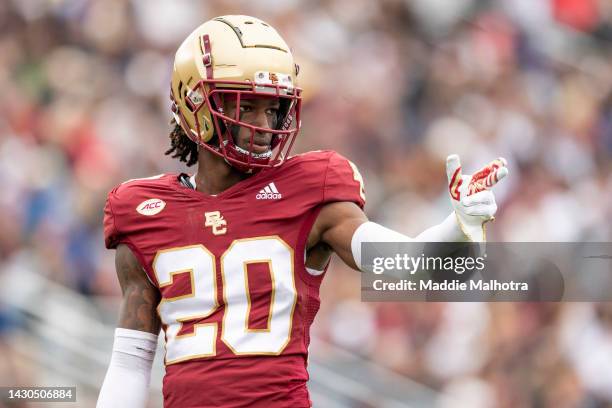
(471, 197)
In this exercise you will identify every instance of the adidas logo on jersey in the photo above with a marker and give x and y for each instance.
(269, 192)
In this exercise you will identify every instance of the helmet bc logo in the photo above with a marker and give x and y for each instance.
(151, 207)
(273, 78)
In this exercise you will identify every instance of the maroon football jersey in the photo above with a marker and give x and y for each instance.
(237, 302)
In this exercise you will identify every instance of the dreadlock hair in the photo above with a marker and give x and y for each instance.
(182, 146)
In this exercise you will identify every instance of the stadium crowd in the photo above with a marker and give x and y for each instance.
(394, 85)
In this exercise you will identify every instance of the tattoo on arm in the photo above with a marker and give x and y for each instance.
(140, 297)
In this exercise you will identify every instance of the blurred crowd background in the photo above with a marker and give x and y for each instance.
(394, 85)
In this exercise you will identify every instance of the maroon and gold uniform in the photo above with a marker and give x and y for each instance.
(237, 301)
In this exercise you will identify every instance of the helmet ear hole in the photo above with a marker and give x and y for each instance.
(188, 102)
(207, 129)
(182, 91)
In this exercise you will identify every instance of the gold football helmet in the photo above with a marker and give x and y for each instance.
(235, 57)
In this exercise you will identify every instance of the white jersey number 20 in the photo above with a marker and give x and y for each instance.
(202, 301)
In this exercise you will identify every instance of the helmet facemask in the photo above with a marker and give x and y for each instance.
(205, 101)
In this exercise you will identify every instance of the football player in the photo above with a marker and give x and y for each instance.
(228, 261)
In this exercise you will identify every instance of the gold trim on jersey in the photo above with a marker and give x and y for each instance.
(183, 320)
(245, 266)
(358, 178)
(194, 356)
(295, 296)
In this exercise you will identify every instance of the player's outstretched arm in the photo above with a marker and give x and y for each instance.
(127, 380)
(335, 225)
(344, 227)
